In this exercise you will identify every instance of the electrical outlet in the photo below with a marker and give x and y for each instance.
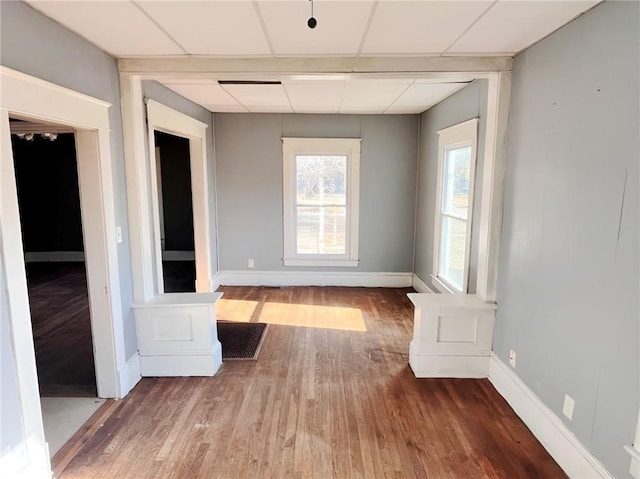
(567, 408)
(250, 263)
(512, 359)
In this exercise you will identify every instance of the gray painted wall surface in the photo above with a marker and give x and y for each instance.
(249, 169)
(568, 280)
(468, 103)
(59, 56)
(161, 94)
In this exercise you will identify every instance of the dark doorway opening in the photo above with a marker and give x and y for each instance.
(175, 204)
(49, 202)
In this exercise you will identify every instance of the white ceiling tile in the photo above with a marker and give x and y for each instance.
(372, 93)
(204, 94)
(211, 28)
(253, 96)
(119, 28)
(339, 30)
(511, 26)
(415, 27)
(319, 96)
(422, 96)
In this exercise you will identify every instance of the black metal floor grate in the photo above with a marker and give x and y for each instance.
(240, 340)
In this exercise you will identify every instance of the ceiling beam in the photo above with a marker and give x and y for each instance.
(203, 65)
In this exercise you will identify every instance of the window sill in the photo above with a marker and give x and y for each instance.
(346, 263)
(442, 286)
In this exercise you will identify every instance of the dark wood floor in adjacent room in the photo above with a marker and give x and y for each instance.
(330, 396)
(61, 323)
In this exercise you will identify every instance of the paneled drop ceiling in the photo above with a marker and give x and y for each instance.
(346, 28)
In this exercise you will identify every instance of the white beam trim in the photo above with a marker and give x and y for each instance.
(300, 65)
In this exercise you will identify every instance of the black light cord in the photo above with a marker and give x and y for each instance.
(312, 22)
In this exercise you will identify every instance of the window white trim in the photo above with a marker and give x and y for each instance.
(320, 146)
(462, 134)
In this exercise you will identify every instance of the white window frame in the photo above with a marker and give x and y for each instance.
(460, 135)
(350, 147)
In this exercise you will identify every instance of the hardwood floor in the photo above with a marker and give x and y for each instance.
(61, 324)
(325, 399)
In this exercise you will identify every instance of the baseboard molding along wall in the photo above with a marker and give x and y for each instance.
(53, 256)
(312, 278)
(420, 286)
(130, 375)
(572, 456)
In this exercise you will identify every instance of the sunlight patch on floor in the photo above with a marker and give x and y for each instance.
(237, 310)
(312, 316)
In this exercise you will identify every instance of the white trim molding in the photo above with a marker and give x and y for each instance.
(572, 456)
(130, 375)
(292, 148)
(452, 336)
(167, 120)
(420, 286)
(634, 451)
(314, 278)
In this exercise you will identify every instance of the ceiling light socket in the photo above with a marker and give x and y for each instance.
(312, 22)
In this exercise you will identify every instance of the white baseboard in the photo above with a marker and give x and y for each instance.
(215, 281)
(130, 375)
(182, 365)
(572, 456)
(448, 366)
(53, 256)
(420, 286)
(315, 278)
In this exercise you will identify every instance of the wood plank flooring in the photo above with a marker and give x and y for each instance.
(325, 399)
(61, 324)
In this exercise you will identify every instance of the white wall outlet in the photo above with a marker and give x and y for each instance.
(118, 234)
(567, 408)
(512, 359)
(250, 263)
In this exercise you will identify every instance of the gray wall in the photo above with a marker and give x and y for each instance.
(249, 169)
(55, 54)
(161, 94)
(468, 103)
(568, 281)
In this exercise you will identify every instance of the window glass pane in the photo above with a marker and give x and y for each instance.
(321, 230)
(321, 180)
(452, 250)
(455, 184)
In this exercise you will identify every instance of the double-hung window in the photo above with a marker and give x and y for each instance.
(454, 206)
(320, 201)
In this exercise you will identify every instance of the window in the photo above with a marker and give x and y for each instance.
(456, 170)
(321, 190)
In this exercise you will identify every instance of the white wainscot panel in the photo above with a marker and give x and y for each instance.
(177, 335)
(452, 336)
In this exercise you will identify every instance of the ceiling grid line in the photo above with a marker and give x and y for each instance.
(157, 24)
(267, 38)
(372, 13)
(469, 27)
(398, 97)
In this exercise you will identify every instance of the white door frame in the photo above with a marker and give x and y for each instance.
(25, 96)
(164, 119)
(142, 194)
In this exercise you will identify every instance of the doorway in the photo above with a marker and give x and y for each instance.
(175, 212)
(49, 203)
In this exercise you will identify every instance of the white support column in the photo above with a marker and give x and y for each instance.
(491, 203)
